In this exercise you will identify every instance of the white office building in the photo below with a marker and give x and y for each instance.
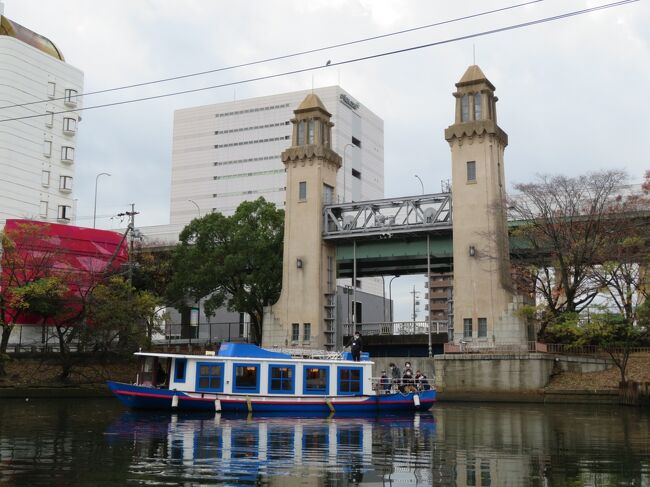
(227, 153)
(36, 154)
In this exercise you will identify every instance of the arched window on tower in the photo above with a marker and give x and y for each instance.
(301, 133)
(477, 106)
(325, 131)
(311, 128)
(464, 108)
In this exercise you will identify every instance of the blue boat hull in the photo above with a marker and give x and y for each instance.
(141, 397)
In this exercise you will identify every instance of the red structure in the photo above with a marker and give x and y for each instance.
(81, 257)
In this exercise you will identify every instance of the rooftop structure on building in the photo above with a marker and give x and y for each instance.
(37, 155)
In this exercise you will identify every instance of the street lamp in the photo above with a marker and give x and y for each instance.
(421, 183)
(344, 168)
(197, 206)
(390, 295)
(95, 209)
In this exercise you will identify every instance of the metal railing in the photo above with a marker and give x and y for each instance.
(533, 347)
(395, 328)
(202, 333)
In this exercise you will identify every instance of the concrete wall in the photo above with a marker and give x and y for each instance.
(511, 373)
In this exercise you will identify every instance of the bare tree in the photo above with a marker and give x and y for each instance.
(564, 226)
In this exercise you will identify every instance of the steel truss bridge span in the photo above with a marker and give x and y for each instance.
(396, 236)
(387, 217)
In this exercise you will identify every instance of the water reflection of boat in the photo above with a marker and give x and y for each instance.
(242, 448)
(246, 378)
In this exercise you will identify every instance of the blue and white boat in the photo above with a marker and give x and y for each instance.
(245, 378)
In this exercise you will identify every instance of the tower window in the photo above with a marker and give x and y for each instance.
(311, 127)
(471, 170)
(477, 106)
(464, 108)
(325, 134)
(482, 327)
(301, 133)
(295, 332)
(467, 328)
(302, 190)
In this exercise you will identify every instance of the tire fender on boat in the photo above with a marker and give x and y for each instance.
(249, 404)
(328, 401)
(416, 400)
(217, 405)
(174, 401)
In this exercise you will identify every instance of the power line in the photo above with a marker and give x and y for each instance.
(284, 56)
(340, 63)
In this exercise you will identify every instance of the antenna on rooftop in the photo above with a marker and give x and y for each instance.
(474, 53)
(2, 8)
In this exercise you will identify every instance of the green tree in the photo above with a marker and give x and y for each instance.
(117, 310)
(233, 261)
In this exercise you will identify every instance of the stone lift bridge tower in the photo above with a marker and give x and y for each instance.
(484, 305)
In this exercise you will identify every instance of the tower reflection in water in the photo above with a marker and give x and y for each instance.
(246, 449)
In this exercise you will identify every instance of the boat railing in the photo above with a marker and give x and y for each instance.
(309, 353)
(380, 386)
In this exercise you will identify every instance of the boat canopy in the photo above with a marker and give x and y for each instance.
(249, 351)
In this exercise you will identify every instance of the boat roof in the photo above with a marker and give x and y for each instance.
(247, 351)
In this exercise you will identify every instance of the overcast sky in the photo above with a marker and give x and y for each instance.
(574, 94)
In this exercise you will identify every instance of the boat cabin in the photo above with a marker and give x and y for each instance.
(244, 369)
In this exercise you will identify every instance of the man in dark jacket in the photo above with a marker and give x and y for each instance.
(355, 346)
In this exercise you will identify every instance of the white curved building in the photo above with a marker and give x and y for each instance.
(37, 155)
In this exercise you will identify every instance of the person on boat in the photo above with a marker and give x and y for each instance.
(421, 381)
(395, 374)
(355, 346)
(161, 377)
(384, 382)
(408, 381)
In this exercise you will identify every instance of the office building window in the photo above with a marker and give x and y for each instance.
(67, 153)
(306, 332)
(302, 190)
(464, 108)
(471, 170)
(467, 328)
(47, 148)
(51, 89)
(43, 209)
(356, 142)
(45, 178)
(65, 183)
(482, 327)
(295, 332)
(356, 174)
(64, 212)
(477, 106)
(49, 118)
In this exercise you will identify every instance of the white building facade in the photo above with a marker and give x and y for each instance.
(37, 155)
(227, 153)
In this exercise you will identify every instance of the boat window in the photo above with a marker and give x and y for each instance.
(246, 378)
(180, 364)
(316, 379)
(209, 376)
(350, 380)
(281, 379)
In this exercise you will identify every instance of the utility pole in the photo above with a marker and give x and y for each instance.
(416, 295)
(130, 229)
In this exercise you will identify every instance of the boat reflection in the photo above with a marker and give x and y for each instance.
(243, 449)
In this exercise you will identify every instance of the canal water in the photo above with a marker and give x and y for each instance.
(99, 443)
